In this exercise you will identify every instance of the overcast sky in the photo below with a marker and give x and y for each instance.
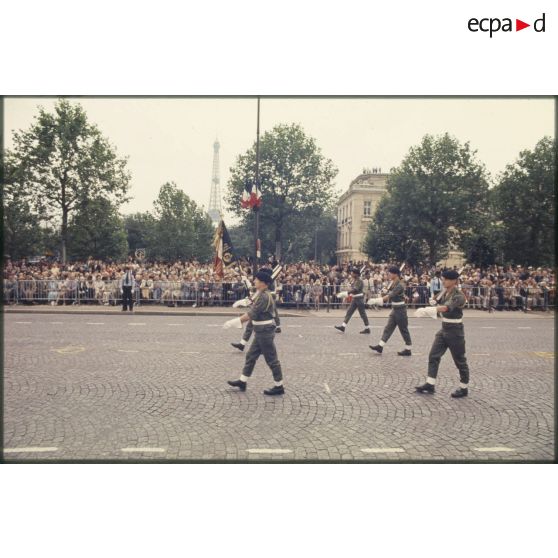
(172, 139)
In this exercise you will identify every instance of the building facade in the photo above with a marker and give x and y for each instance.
(354, 213)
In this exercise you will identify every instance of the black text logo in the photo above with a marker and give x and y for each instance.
(493, 25)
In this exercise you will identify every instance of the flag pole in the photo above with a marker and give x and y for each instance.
(256, 208)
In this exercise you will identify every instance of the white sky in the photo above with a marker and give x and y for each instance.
(171, 139)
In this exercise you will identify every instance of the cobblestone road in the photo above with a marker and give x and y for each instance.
(154, 388)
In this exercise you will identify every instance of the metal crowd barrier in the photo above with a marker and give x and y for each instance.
(293, 296)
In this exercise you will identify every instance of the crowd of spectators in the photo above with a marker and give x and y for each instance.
(302, 284)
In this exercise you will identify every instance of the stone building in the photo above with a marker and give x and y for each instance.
(354, 213)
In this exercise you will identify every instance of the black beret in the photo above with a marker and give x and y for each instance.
(264, 275)
(355, 270)
(450, 274)
(394, 269)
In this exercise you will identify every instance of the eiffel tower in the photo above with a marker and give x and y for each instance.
(215, 196)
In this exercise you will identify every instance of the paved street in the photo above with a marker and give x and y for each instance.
(124, 387)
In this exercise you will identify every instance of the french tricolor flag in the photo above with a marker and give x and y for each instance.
(251, 196)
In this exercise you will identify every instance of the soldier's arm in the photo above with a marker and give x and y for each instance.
(398, 290)
(257, 307)
(456, 301)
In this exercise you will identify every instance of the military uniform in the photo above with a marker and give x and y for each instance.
(357, 303)
(452, 337)
(397, 318)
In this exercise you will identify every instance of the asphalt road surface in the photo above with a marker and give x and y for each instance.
(125, 387)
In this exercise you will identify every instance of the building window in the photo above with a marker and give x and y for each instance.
(367, 208)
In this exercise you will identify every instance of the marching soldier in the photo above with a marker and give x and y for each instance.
(451, 336)
(357, 303)
(398, 317)
(261, 314)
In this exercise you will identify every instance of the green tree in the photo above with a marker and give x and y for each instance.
(97, 230)
(63, 160)
(141, 232)
(182, 229)
(434, 199)
(524, 201)
(296, 184)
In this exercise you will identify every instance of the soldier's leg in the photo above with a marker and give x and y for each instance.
(403, 324)
(269, 352)
(350, 312)
(389, 329)
(252, 356)
(362, 311)
(439, 347)
(456, 343)
(276, 318)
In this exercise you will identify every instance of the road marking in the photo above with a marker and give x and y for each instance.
(523, 327)
(415, 327)
(175, 324)
(56, 323)
(214, 325)
(294, 326)
(95, 323)
(69, 350)
(269, 450)
(544, 354)
(383, 450)
(24, 322)
(136, 323)
(488, 327)
(143, 450)
(345, 354)
(480, 354)
(327, 387)
(28, 450)
(127, 351)
(495, 449)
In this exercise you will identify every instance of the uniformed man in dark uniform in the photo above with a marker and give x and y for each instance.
(261, 315)
(357, 303)
(452, 336)
(398, 317)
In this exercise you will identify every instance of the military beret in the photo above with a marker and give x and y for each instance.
(450, 274)
(264, 275)
(355, 270)
(394, 269)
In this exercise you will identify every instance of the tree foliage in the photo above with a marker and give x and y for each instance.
(296, 184)
(63, 161)
(434, 198)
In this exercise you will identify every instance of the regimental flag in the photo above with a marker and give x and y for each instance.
(251, 195)
(224, 252)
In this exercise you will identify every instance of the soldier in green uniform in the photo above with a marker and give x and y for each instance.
(261, 315)
(249, 328)
(398, 317)
(357, 303)
(451, 336)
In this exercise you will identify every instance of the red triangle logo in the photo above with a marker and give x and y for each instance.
(519, 25)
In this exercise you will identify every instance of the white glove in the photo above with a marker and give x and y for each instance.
(430, 312)
(344, 294)
(432, 302)
(235, 322)
(242, 303)
(375, 301)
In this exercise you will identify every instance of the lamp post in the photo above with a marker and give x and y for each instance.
(256, 208)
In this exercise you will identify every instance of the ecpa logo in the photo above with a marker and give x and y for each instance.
(492, 25)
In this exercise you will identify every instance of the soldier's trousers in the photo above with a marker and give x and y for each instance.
(397, 318)
(250, 328)
(452, 337)
(263, 344)
(357, 304)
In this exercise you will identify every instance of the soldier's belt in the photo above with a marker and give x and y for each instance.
(397, 303)
(450, 321)
(265, 322)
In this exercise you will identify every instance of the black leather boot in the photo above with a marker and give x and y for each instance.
(377, 348)
(238, 346)
(238, 383)
(460, 392)
(426, 388)
(275, 390)
(340, 328)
